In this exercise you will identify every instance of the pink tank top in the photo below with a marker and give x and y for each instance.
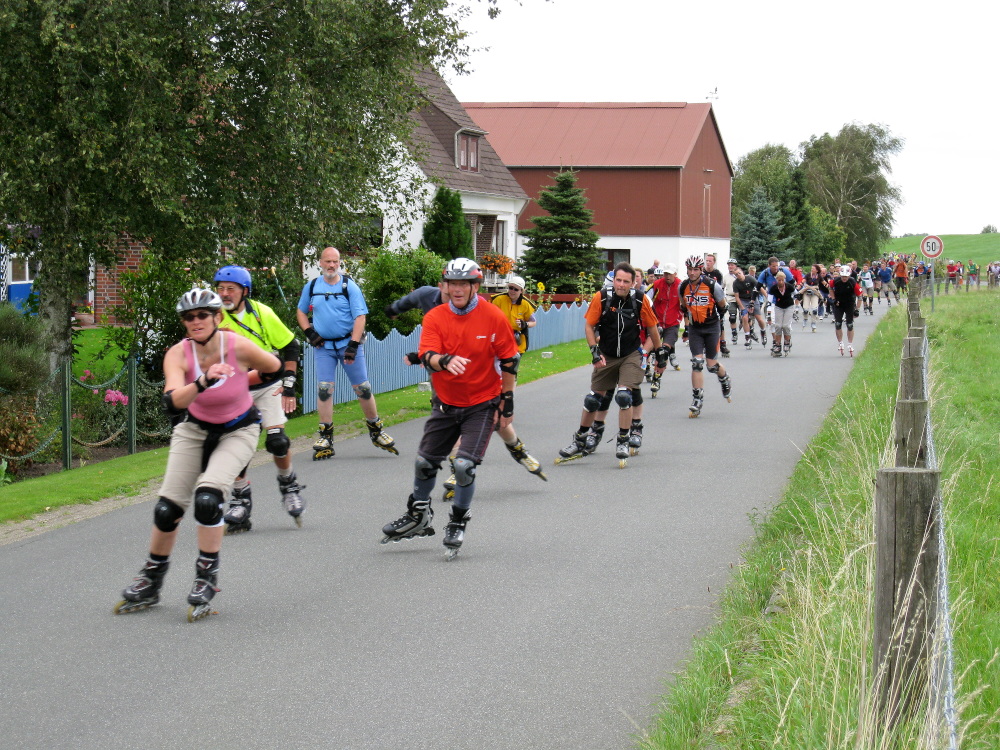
(227, 399)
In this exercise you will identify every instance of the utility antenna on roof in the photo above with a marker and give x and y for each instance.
(713, 94)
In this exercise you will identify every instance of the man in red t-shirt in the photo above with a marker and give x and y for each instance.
(460, 344)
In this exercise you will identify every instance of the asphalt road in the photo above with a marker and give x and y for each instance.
(558, 626)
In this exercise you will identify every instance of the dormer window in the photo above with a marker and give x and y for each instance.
(468, 152)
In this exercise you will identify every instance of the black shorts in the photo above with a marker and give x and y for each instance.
(446, 424)
(704, 340)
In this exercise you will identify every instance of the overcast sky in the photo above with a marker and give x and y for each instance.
(785, 70)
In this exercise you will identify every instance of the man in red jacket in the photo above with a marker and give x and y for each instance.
(667, 308)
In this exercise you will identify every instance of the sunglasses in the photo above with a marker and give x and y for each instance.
(191, 317)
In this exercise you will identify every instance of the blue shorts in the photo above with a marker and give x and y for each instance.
(328, 359)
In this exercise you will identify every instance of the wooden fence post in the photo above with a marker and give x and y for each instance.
(911, 433)
(906, 570)
(911, 378)
(913, 346)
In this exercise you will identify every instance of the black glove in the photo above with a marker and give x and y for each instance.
(507, 404)
(445, 359)
(413, 358)
(661, 357)
(523, 325)
(389, 313)
(314, 338)
(595, 353)
(351, 352)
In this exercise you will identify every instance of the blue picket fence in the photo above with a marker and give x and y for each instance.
(387, 372)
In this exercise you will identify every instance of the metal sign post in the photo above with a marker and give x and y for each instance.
(932, 246)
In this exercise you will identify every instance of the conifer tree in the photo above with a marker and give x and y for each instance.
(562, 246)
(756, 235)
(447, 232)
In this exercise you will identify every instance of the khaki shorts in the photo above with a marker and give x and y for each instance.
(269, 405)
(626, 371)
(184, 472)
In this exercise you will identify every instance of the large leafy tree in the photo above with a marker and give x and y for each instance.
(195, 123)
(771, 167)
(825, 239)
(848, 176)
(447, 231)
(562, 247)
(757, 232)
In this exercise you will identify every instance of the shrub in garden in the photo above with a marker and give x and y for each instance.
(388, 275)
(24, 368)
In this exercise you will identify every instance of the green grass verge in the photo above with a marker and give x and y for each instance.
(797, 676)
(128, 475)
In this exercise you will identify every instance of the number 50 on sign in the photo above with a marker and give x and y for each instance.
(931, 246)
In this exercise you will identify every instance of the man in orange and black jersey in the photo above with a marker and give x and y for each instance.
(703, 301)
(613, 323)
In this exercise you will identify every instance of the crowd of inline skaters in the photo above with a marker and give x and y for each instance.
(233, 376)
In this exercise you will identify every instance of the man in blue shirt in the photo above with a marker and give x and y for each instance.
(769, 277)
(885, 276)
(332, 312)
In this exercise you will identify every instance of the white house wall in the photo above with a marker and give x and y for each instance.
(644, 250)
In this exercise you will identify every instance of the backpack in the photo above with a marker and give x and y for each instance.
(607, 294)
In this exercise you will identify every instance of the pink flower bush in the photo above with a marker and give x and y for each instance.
(115, 397)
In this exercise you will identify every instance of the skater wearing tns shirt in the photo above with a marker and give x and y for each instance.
(206, 393)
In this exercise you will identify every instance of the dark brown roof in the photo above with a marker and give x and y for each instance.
(437, 123)
(593, 134)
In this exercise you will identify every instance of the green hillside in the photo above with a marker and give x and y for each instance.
(981, 248)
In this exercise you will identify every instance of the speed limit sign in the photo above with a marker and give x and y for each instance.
(931, 246)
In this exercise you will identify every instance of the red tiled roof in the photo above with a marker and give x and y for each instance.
(591, 134)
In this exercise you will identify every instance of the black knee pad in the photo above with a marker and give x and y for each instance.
(838, 324)
(637, 397)
(850, 326)
(465, 471)
(424, 469)
(325, 391)
(697, 364)
(606, 401)
(276, 443)
(623, 397)
(167, 514)
(364, 390)
(208, 504)
(714, 369)
(591, 403)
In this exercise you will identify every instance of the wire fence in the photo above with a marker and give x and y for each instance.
(913, 644)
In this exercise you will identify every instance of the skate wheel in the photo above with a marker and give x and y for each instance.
(199, 612)
(125, 606)
(633, 451)
(450, 554)
(652, 394)
(622, 462)
(298, 521)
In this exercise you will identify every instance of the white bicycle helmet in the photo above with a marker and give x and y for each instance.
(199, 299)
(695, 261)
(462, 269)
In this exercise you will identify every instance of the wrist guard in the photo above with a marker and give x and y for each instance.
(314, 338)
(507, 404)
(351, 352)
(288, 385)
(595, 354)
(413, 358)
(445, 359)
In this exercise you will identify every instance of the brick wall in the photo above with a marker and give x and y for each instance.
(483, 240)
(107, 292)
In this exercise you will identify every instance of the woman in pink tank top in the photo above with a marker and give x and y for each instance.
(216, 427)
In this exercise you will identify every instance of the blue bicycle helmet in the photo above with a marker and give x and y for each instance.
(237, 275)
